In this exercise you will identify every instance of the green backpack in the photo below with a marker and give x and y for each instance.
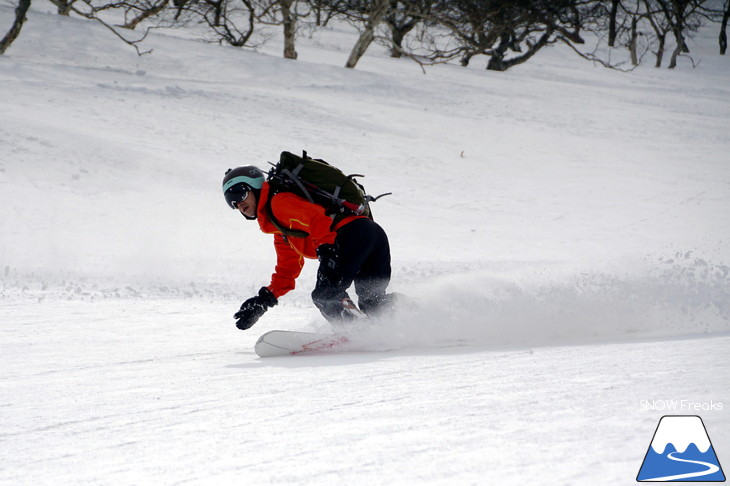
(320, 183)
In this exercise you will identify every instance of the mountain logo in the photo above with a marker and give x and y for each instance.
(681, 451)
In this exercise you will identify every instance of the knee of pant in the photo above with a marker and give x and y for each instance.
(318, 296)
(331, 309)
(322, 296)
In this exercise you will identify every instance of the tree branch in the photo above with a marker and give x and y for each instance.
(595, 59)
(133, 43)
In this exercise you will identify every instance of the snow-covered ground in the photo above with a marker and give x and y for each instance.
(564, 228)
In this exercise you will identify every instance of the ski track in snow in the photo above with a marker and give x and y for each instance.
(563, 229)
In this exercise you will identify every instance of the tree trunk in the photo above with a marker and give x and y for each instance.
(397, 37)
(217, 13)
(633, 42)
(64, 6)
(612, 23)
(362, 44)
(505, 65)
(20, 11)
(375, 16)
(399, 28)
(496, 61)
(290, 29)
(680, 45)
(723, 28)
(660, 50)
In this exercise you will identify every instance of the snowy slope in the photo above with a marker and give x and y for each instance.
(564, 227)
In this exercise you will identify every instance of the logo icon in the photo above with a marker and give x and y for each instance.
(681, 451)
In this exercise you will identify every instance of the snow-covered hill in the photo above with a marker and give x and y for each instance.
(563, 226)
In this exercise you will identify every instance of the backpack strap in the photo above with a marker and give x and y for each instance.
(294, 176)
(286, 232)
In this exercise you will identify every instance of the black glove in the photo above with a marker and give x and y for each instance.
(254, 308)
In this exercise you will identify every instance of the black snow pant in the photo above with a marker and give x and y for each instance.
(361, 254)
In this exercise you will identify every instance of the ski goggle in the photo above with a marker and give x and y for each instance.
(236, 194)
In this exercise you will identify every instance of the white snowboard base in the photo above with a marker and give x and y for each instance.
(285, 343)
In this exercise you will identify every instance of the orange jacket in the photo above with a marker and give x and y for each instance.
(294, 212)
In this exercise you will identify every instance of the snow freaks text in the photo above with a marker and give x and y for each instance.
(681, 406)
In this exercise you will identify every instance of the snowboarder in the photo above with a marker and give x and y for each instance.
(355, 250)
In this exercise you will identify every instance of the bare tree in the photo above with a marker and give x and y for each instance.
(683, 17)
(367, 14)
(87, 9)
(141, 10)
(289, 22)
(510, 32)
(469, 29)
(403, 16)
(63, 6)
(325, 10)
(613, 25)
(656, 21)
(661, 28)
(12, 34)
(631, 13)
(723, 28)
(284, 13)
(231, 21)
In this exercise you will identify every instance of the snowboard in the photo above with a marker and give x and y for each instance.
(286, 343)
